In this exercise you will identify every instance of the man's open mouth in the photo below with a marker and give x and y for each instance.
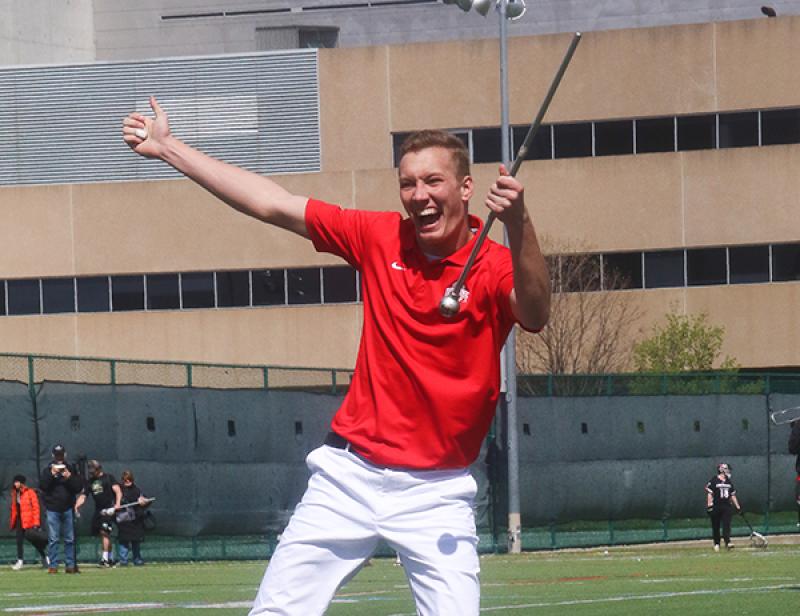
(428, 217)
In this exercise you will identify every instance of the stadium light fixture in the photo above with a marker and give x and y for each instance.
(482, 6)
(514, 8)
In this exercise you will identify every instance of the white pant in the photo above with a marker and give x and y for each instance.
(426, 516)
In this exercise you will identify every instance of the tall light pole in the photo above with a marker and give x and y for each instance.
(506, 9)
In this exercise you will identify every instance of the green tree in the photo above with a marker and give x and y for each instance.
(686, 343)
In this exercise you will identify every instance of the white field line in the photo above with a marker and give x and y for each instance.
(84, 608)
(638, 557)
(76, 609)
(217, 606)
(42, 610)
(647, 597)
(82, 593)
(22, 595)
(619, 599)
(47, 610)
(716, 579)
(671, 580)
(117, 607)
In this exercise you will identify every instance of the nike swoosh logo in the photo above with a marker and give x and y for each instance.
(398, 266)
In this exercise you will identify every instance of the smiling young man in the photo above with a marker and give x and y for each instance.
(424, 390)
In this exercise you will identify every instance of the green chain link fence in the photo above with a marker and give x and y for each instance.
(33, 370)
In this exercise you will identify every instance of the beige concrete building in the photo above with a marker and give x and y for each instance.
(723, 193)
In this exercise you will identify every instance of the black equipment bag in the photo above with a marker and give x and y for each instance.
(37, 537)
(149, 520)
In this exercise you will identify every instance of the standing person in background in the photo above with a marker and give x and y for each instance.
(425, 388)
(720, 502)
(130, 522)
(61, 484)
(106, 494)
(26, 516)
(794, 447)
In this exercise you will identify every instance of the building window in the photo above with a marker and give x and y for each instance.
(463, 135)
(655, 135)
(738, 130)
(127, 293)
(572, 140)
(304, 286)
(293, 37)
(618, 137)
(397, 142)
(233, 289)
(269, 287)
(613, 138)
(93, 294)
(785, 263)
(780, 126)
(163, 292)
(697, 132)
(622, 270)
(706, 266)
(197, 290)
(23, 297)
(58, 295)
(486, 145)
(339, 285)
(2, 297)
(663, 268)
(541, 148)
(748, 264)
(579, 273)
(318, 38)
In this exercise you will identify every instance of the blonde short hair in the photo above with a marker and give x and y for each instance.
(424, 139)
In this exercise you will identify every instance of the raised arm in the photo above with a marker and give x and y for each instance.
(245, 191)
(117, 495)
(530, 299)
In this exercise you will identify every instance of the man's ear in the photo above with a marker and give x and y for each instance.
(466, 187)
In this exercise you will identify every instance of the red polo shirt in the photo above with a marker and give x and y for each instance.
(425, 388)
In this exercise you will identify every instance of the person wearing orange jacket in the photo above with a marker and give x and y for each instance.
(26, 516)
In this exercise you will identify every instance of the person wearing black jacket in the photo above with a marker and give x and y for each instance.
(106, 493)
(130, 521)
(60, 484)
(720, 502)
(794, 447)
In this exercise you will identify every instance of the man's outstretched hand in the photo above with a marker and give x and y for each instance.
(147, 136)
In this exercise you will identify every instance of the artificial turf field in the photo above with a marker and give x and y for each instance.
(663, 580)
